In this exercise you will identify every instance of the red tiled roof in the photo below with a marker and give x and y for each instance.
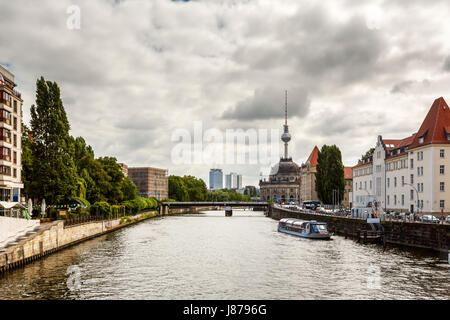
(312, 159)
(348, 173)
(434, 126)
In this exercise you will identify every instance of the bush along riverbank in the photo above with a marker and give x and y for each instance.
(58, 235)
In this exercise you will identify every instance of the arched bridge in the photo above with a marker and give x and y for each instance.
(256, 205)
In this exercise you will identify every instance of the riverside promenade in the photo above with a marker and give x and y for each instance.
(430, 236)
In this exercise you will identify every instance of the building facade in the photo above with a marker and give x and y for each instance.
(215, 179)
(410, 174)
(150, 182)
(124, 169)
(348, 175)
(233, 180)
(10, 138)
(283, 184)
(308, 177)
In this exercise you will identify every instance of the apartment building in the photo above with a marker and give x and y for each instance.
(150, 182)
(10, 138)
(410, 174)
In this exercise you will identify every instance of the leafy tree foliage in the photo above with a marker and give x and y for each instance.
(54, 175)
(187, 188)
(330, 174)
(227, 195)
(58, 167)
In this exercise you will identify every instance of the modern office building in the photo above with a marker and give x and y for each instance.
(215, 179)
(10, 138)
(410, 174)
(231, 180)
(150, 182)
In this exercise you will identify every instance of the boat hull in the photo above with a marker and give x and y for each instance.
(320, 236)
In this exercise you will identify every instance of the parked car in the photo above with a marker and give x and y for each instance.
(429, 218)
(447, 220)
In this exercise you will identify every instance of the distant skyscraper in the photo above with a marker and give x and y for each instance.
(215, 179)
(233, 181)
(239, 181)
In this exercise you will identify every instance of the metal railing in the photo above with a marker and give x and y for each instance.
(81, 220)
(12, 213)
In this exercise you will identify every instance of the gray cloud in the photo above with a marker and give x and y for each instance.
(268, 103)
(139, 69)
(447, 63)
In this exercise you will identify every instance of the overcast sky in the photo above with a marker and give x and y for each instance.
(137, 70)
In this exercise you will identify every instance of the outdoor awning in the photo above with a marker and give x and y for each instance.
(9, 205)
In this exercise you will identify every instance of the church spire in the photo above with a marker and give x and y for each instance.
(286, 137)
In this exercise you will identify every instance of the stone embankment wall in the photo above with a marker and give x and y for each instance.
(54, 236)
(413, 234)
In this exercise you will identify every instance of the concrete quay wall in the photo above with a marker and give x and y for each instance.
(413, 234)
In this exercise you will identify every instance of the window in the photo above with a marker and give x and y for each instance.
(371, 184)
(403, 199)
(412, 179)
(442, 153)
(442, 204)
(388, 200)
(418, 187)
(15, 140)
(403, 180)
(365, 184)
(412, 195)
(15, 123)
(412, 163)
(395, 182)
(15, 157)
(15, 106)
(421, 139)
(388, 182)
(442, 169)
(395, 200)
(442, 186)
(15, 173)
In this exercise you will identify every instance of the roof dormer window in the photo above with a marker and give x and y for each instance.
(421, 139)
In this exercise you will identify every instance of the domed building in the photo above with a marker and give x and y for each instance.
(284, 179)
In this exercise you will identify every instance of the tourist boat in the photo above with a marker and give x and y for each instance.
(305, 229)
(228, 212)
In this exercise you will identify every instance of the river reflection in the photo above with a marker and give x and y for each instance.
(210, 256)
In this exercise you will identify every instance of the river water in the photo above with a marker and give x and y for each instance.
(210, 256)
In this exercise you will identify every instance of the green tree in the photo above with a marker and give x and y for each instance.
(113, 191)
(330, 174)
(54, 172)
(177, 189)
(368, 153)
(129, 189)
(196, 188)
(27, 163)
